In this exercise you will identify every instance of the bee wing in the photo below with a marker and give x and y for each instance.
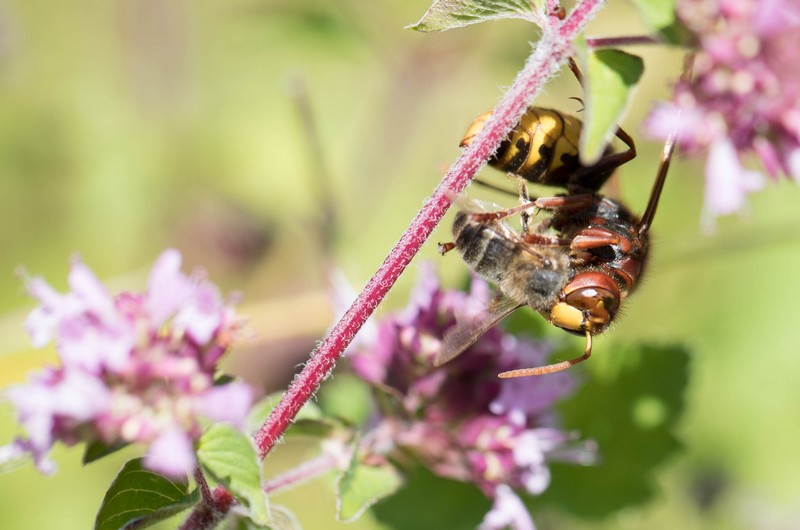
(466, 332)
(467, 204)
(470, 205)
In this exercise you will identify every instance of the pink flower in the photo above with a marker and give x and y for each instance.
(743, 99)
(136, 367)
(460, 420)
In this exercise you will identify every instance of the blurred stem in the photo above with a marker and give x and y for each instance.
(202, 485)
(302, 473)
(613, 42)
(209, 513)
(320, 178)
(551, 52)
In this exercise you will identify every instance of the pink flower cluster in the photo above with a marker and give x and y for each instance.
(744, 96)
(134, 367)
(461, 420)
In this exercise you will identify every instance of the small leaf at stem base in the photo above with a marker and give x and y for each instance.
(449, 14)
(361, 486)
(229, 457)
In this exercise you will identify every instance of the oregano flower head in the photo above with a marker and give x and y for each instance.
(135, 367)
(743, 98)
(460, 420)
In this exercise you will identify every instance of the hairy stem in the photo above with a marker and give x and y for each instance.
(551, 52)
(208, 515)
(202, 485)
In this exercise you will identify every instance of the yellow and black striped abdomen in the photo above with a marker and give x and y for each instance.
(541, 148)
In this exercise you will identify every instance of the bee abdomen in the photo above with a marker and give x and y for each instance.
(485, 250)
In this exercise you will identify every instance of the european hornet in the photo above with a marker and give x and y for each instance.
(576, 267)
(543, 149)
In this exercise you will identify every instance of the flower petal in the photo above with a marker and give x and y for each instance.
(167, 288)
(171, 454)
(507, 512)
(229, 403)
(727, 182)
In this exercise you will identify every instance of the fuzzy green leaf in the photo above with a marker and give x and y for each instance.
(139, 498)
(448, 14)
(632, 412)
(229, 457)
(361, 486)
(610, 77)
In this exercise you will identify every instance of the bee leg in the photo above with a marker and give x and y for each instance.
(444, 248)
(570, 203)
(544, 240)
(609, 162)
(550, 368)
(524, 198)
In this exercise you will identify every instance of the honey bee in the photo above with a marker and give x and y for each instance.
(575, 268)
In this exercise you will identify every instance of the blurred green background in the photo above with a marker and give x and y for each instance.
(268, 140)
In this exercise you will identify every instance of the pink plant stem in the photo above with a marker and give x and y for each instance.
(202, 484)
(612, 42)
(209, 514)
(551, 52)
(302, 473)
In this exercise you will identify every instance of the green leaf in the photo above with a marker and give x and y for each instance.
(659, 15)
(313, 428)
(261, 410)
(229, 457)
(441, 502)
(283, 519)
(97, 450)
(448, 14)
(361, 486)
(610, 76)
(346, 396)
(139, 498)
(632, 413)
(309, 421)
